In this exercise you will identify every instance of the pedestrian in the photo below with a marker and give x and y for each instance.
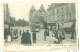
(20, 32)
(63, 34)
(9, 38)
(16, 31)
(59, 38)
(23, 38)
(53, 31)
(56, 34)
(28, 38)
(34, 37)
(72, 34)
(56, 38)
(72, 31)
(6, 34)
(11, 34)
(45, 34)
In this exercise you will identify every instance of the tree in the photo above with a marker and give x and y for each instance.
(43, 22)
(41, 19)
(21, 22)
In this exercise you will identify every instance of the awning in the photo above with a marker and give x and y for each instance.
(51, 24)
(67, 25)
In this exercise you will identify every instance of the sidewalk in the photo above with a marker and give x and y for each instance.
(68, 40)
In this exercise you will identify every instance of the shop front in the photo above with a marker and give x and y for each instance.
(51, 26)
(67, 27)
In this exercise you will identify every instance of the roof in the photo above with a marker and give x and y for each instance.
(42, 8)
(32, 8)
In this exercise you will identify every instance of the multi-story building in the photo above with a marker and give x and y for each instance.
(42, 12)
(37, 16)
(8, 20)
(51, 16)
(60, 12)
(6, 14)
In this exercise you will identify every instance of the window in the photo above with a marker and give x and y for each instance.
(53, 12)
(57, 18)
(57, 11)
(62, 10)
(62, 17)
(69, 17)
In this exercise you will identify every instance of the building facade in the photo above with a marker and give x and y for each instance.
(32, 15)
(42, 12)
(37, 16)
(6, 14)
(8, 20)
(59, 13)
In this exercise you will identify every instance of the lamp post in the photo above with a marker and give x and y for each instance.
(46, 22)
(9, 23)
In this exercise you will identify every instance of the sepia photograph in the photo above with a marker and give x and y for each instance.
(39, 24)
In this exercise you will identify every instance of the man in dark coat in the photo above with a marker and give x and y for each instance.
(6, 33)
(72, 31)
(28, 38)
(34, 37)
(56, 34)
(20, 32)
(47, 32)
(23, 38)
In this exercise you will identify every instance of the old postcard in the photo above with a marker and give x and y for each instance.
(29, 26)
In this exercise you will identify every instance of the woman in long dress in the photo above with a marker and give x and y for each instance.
(9, 38)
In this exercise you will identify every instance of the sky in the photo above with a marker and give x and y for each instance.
(20, 10)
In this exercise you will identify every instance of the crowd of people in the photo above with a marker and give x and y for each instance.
(26, 36)
(25, 39)
(57, 36)
(10, 35)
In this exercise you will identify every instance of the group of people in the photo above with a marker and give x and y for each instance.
(26, 37)
(57, 36)
(10, 34)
